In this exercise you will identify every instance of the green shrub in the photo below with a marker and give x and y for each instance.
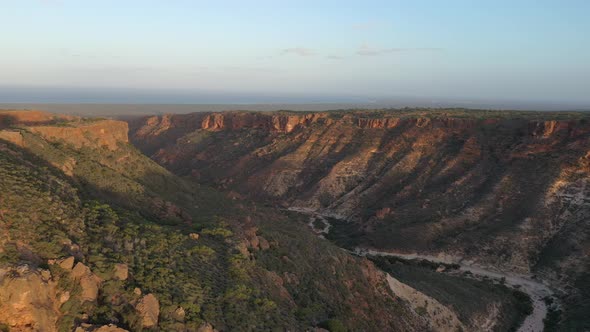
(333, 325)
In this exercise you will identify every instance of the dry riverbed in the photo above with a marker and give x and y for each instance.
(535, 289)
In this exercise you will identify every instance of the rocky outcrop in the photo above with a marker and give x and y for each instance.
(148, 309)
(179, 314)
(29, 118)
(383, 123)
(66, 263)
(95, 328)
(89, 282)
(101, 133)
(549, 128)
(167, 126)
(12, 136)
(121, 272)
(67, 129)
(282, 123)
(206, 327)
(154, 131)
(29, 300)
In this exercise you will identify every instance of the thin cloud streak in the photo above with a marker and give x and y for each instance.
(299, 51)
(369, 51)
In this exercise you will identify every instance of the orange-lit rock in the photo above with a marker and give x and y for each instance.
(101, 133)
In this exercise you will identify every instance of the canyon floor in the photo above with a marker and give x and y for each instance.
(538, 291)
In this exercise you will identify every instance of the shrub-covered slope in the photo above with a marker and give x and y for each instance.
(95, 234)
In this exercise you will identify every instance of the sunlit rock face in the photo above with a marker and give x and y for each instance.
(471, 185)
(29, 300)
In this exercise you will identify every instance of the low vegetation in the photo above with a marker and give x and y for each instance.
(182, 242)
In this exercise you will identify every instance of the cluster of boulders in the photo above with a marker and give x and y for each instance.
(147, 306)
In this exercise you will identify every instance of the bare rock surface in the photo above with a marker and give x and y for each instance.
(148, 308)
(28, 300)
(121, 271)
(89, 282)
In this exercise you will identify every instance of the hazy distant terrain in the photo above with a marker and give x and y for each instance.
(164, 106)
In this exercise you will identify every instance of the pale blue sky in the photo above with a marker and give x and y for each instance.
(518, 49)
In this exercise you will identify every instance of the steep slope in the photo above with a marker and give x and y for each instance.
(107, 238)
(503, 189)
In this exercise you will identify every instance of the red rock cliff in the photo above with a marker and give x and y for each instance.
(95, 134)
(28, 118)
(271, 122)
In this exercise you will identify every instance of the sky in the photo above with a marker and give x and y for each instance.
(312, 50)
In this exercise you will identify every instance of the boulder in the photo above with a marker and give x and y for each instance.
(88, 281)
(66, 263)
(28, 301)
(93, 328)
(148, 308)
(110, 328)
(121, 271)
(64, 297)
(206, 327)
(179, 314)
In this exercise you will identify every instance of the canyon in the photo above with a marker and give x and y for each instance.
(506, 190)
(392, 220)
(95, 236)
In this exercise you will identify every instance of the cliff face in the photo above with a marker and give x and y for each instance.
(12, 136)
(156, 131)
(271, 122)
(108, 133)
(503, 189)
(69, 129)
(466, 185)
(27, 118)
